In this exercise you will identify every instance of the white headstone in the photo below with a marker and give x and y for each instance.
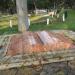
(47, 21)
(10, 23)
(29, 21)
(63, 17)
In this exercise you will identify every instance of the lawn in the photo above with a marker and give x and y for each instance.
(69, 24)
(4, 24)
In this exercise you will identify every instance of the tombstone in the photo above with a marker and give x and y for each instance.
(10, 23)
(29, 22)
(63, 17)
(47, 21)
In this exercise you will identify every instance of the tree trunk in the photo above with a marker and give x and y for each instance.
(22, 15)
(34, 2)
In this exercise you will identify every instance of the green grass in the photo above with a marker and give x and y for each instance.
(69, 24)
(4, 25)
(8, 30)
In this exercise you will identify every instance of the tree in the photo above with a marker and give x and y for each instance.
(5, 5)
(22, 15)
(34, 2)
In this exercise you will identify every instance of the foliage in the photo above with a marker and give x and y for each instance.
(5, 5)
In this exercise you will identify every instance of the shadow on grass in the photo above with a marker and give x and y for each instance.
(52, 26)
(9, 30)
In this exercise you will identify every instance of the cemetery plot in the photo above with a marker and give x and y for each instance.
(35, 42)
(33, 48)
